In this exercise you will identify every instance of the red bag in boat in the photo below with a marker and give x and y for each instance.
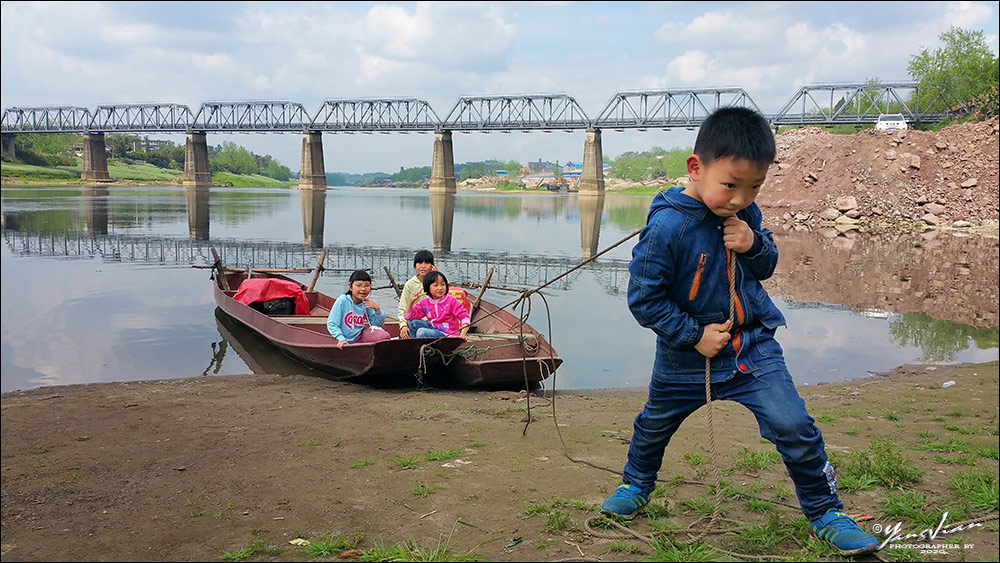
(254, 290)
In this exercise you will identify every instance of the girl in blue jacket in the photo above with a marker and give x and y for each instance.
(351, 310)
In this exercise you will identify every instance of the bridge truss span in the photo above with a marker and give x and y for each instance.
(252, 116)
(861, 103)
(668, 108)
(46, 119)
(529, 112)
(375, 115)
(141, 118)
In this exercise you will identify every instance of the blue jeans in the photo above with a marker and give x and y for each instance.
(781, 414)
(422, 328)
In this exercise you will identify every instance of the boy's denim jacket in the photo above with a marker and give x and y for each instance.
(680, 283)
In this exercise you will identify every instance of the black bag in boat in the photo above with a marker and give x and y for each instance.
(279, 306)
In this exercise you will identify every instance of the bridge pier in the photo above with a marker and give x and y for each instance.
(443, 164)
(592, 175)
(95, 161)
(197, 174)
(312, 174)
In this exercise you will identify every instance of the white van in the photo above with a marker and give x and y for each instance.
(891, 122)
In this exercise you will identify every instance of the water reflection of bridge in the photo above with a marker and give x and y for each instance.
(514, 270)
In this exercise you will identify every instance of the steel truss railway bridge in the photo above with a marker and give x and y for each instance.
(518, 271)
(818, 104)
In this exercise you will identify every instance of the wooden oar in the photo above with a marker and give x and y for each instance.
(482, 290)
(392, 280)
(220, 272)
(319, 268)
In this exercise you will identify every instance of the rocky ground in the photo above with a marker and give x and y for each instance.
(934, 178)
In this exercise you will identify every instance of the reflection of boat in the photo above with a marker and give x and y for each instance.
(305, 337)
(257, 353)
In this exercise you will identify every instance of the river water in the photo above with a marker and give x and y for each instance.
(98, 283)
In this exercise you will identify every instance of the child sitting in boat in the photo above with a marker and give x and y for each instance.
(446, 316)
(423, 262)
(347, 317)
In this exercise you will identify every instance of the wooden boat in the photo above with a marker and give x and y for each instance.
(305, 337)
(499, 352)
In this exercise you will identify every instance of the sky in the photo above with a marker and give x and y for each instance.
(91, 53)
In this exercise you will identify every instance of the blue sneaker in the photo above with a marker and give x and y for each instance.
(841, 531)
(625, 502)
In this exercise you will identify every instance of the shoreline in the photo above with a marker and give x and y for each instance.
(194, 468)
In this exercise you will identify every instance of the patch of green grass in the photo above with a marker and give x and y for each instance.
(955, 414)
(330, 545)
(978, 488)
(851, 431)
(558, 521)
(656, 510)
(534, 509)
(892, 415)
(422, 490)
(925, 435)
(754, 461)
(362, 463)
(967, 430)
(760, 539)
(256, 547)
(435, 455)
(826, 419)
(619, 546)
(948, 446)
(964, 459)
(912, 507)
(758, 505)
(989, 453)
(855, 483)
(781, 492)
(701, 505)
(413, 551)
(665, 550)
(407, 462)
(695, 458)
(880, 463)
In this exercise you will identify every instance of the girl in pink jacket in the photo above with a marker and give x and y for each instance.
(445, 315)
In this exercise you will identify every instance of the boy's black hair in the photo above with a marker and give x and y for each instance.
(423, 256)
(736, 132)
(357, 275)
(431, 277)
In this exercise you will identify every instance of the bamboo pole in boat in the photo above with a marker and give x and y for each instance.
(319, 268)
(219, 270)
(482, 290)
(392, 280)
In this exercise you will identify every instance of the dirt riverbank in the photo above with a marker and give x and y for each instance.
(194, 468)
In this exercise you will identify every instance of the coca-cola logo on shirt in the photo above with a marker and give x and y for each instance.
(352, 320)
